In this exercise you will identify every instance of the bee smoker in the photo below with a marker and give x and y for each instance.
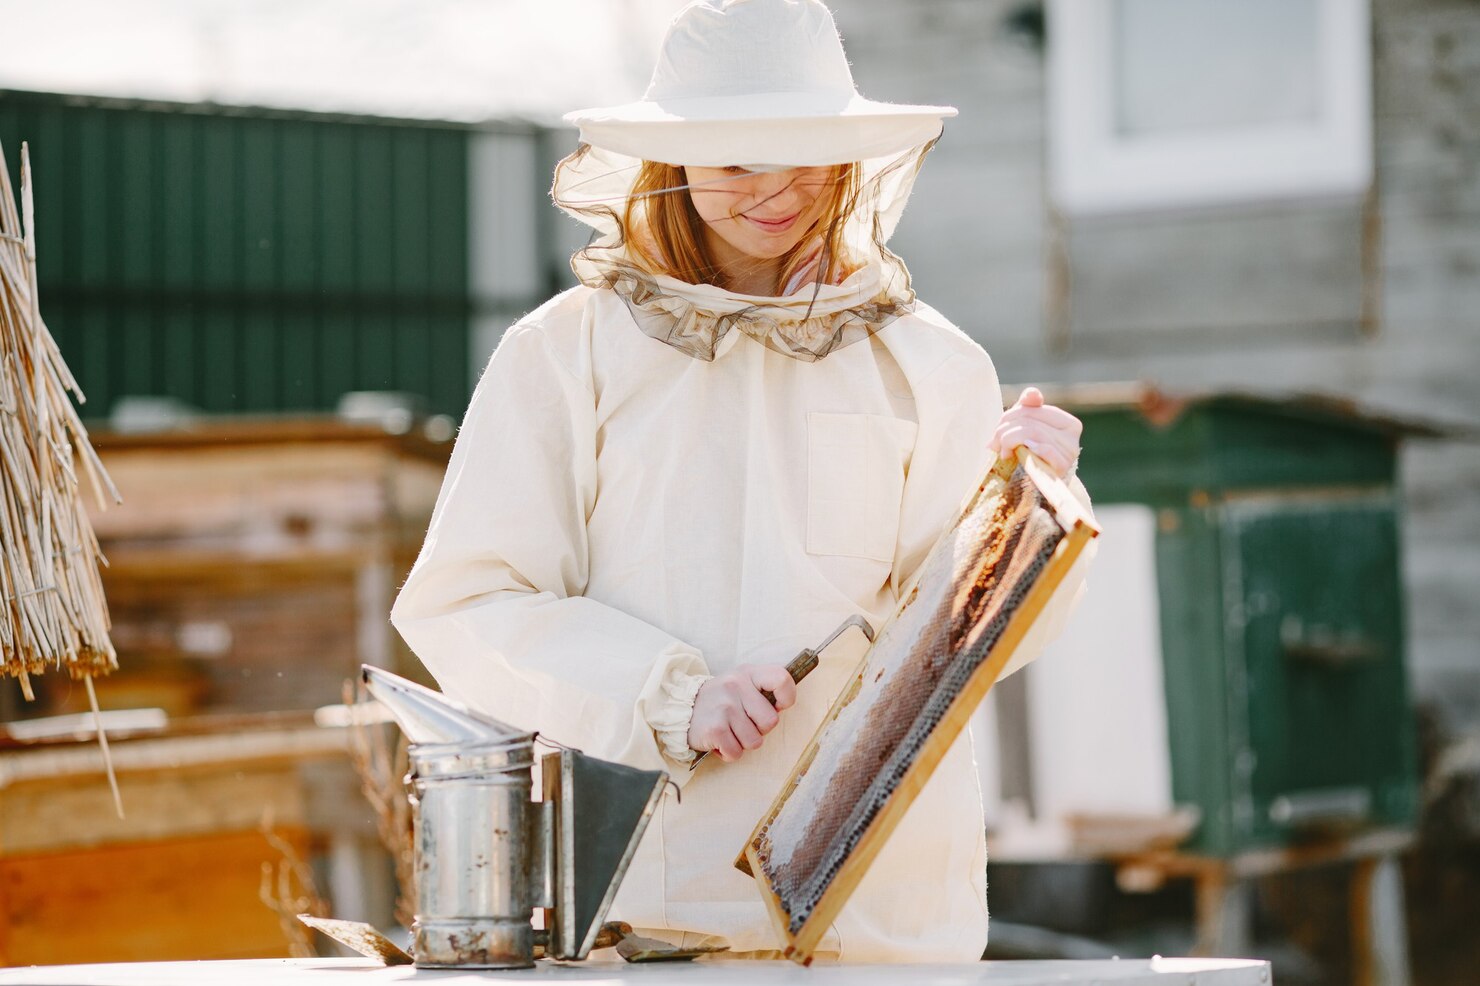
(486, 855)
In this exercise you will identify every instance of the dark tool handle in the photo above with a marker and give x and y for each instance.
(801, 666)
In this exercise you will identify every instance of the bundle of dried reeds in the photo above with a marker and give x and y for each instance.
(54, 614)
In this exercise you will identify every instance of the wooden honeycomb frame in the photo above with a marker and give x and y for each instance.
(1078, 530)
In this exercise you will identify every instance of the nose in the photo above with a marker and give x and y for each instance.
(779, 191)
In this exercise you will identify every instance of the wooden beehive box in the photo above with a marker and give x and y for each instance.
(180, 877)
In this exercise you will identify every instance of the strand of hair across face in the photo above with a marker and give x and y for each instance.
(669, 240)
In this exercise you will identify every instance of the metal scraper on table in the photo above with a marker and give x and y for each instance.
(360, 937)
(805, 662)
(636, 948)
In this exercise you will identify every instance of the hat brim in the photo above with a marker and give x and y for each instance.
(793, 129)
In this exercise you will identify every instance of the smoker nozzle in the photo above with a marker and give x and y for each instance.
(426, 716)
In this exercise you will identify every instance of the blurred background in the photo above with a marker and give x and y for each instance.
(1241, 238)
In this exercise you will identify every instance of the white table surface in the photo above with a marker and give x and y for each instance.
(348, 972)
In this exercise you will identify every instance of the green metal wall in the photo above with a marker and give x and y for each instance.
(248, 261)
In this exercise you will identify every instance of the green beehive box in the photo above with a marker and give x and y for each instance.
(1277, 571)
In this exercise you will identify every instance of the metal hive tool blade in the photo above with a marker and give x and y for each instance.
(601, 812)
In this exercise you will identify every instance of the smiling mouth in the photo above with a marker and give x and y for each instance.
(774, 225)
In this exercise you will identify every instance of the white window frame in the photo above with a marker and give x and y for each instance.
(1095, 170)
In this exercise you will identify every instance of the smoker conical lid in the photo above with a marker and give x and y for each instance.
(426, 716)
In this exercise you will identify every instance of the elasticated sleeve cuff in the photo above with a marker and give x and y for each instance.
(670, 720)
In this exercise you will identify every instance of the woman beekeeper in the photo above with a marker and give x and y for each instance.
(740, 430)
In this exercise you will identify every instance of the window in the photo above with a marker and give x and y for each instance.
(1167, 103)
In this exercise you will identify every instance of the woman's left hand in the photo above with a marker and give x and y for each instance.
(1049, 432)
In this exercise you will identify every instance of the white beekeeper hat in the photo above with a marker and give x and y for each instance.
(762, 84)
(756, 82)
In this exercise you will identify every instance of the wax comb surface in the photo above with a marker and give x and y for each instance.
(980, 588)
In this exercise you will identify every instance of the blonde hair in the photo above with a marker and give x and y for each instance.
(671, 239)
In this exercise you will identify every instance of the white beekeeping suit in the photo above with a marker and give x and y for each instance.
(656, 481)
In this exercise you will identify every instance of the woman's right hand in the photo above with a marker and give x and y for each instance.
(732, 716)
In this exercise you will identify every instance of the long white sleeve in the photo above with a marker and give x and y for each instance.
(494, 606)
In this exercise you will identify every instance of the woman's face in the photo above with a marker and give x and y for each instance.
(760, 214)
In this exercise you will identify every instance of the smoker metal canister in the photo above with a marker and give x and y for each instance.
(477, 854)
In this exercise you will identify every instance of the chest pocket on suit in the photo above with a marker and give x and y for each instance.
(855, 480)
